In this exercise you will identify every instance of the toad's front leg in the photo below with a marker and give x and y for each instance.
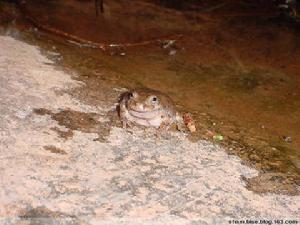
(123, 114)
(163, 130)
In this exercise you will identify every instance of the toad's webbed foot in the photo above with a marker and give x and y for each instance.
(125, 123)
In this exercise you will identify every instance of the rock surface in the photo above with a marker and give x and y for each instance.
(127, 178)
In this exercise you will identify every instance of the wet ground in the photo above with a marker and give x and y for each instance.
(235, 68)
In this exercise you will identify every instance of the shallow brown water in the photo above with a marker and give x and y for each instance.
(236, 84)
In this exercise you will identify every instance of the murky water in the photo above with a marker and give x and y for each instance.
(255, 107)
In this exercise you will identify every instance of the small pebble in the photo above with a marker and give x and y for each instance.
(218, 137)
(287, 139)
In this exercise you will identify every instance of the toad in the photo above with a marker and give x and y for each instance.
(148, 108)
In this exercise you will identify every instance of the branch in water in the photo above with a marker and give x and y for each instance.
(99, 5)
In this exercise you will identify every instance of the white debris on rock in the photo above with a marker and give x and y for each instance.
(130, 179)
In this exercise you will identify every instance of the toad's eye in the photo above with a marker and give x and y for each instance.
(154, 99)
(130, 95)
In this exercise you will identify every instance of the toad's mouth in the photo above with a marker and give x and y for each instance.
(146, 115)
